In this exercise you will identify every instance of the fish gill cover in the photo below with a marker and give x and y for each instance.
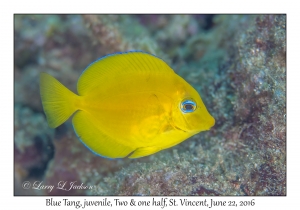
(236, 62)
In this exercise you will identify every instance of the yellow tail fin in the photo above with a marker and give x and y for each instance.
(58, 101)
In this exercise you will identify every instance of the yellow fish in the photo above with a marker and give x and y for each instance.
(128, 104)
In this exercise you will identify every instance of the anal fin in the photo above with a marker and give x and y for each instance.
(144, 151)
(85, 126)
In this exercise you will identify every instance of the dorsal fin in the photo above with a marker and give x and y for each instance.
(114, 65)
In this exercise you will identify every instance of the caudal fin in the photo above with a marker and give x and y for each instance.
(58, 101)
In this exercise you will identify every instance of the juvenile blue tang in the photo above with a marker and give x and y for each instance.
(128, 104)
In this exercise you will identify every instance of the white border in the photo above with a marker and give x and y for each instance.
(54, 6)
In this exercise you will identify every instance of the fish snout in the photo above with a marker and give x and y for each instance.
(210, 122)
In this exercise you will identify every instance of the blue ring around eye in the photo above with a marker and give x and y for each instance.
(188, 106)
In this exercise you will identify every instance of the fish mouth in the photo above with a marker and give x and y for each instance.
(211, 123)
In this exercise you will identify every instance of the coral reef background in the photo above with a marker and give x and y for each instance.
(236, 62)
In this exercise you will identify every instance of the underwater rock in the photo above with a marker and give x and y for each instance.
(73, 162)
(57, 44)
(260, 78)
(244, 154)
(236, 62)
(33, 148)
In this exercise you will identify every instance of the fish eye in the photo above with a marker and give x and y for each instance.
(188, 106)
